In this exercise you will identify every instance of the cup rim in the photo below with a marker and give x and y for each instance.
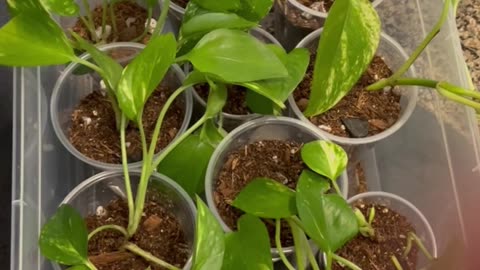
(68, 72)
(240, 117)
(319, 13)
(209, 179)
(412, 96)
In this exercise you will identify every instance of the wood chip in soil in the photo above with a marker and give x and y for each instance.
(130, 18)
(236, 100)
(381, 109)
(93, 130)
(278, 160)
(159, 233)
(391, 232)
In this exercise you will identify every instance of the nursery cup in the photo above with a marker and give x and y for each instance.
(294, 21)
(394, 56)
(405, 208)
(101, 189)
(265, 128)
(70, 89)
(231, 121)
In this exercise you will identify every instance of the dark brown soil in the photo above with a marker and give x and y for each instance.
(278, 160)
(123, 11)
(159, 233)
(391, 232)
(182, 3)
(236, 100)
(94, 133)
(380, 108)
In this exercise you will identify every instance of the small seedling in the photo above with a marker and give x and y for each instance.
(365, 227)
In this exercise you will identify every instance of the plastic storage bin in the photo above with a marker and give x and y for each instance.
(432, 161)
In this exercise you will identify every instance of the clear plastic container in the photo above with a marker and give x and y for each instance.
(432, 161)
(294, 21)
(265, 128)
(231, 121)
(403, 207)
(101, 189)
(70, 89)
(394, 56)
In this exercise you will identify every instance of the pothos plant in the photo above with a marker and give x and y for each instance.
(349, 40)
(70, 8)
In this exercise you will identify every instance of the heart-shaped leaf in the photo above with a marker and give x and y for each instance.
(266, 198)
(348, 43)
(16, 7)
(325, 158)
(249, 248)
(308, 176)
(63, 238)
(327, 218)
(220, 6)
(261, 104)
(32, 39)
(209, 240)
(255, 10)
(234, 57)
(142, 76)
(217, 97)
(62, 7)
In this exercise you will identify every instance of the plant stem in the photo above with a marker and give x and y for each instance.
(337, 188)
(396, 263)
(459, 90)
(89, 24)
(148, 256)
(311, 259)
(458, 98)
(147, 26)
(162, 18)
(104, 17)
(278, 243)
(88, 64)
(412, 237)
(108, 227)
(345, 262)
(116, 109)
(418, 51)
(299, 241)
(126, 174)
(329, 261)
(142, 133)
(90, 265)
(298, 222)
(113, 19)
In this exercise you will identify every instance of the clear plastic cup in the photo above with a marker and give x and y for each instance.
(70, 89)
(101, 189)
(265, 128)
(176, 13)
(294, 21)
(405, 208)
(231, 121)
(394, 56)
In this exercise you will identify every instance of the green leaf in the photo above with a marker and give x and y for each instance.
(194, 78)
(220, 6)
(325, 158)
(235, 56)
(217, 97)
(255, 10)
(112, 70)
(322, 184)
(249, 248)
(211, 134)
(327, 218)
(63, 238)
(62, 7)
(209, 240)
(301, 244)
(348, 43)
(204, 23)
(79, 267)
(278, 90)
(31, 39)
(142, 76)
(261, 104)
(266, 198)
(16, 7)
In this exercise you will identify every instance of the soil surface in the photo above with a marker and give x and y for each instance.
(380, 108)
(236, 100)
(278, 160)
(182, 3)
(159, 233)
(391, 232)
(129, 17)
(93, 131)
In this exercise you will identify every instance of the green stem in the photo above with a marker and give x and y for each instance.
(418, 51)
(126, 173)
(329, 260)
(278, 243)
(396, 263)
(162, 19)
(298, 222)
(299, 241)
(142, 133)
(104, 16)
(115, 107)
(458, 98)
(89, 24)
(148, 256)
(345, 262)
(145, 31)
(113, 19)
(459, 90)
(108, 227)
(311, 259)
(412, 237)
(90, 265)
(88, 64)
(337, 188)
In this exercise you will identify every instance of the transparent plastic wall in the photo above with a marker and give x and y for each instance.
(432, 161)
